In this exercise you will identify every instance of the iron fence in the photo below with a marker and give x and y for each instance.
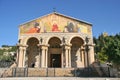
(58, 72)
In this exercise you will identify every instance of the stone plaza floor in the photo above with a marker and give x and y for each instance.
(56, 78)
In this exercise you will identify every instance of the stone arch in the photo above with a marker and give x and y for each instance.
(48, 39)
(25, 40)
(32, 51)
(56, 40)
(81, 37)
(54, 52)
(76, 54)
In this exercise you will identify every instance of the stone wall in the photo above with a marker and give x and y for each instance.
(50, 72)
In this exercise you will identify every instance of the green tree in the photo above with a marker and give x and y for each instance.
(112, 49)
(108, 48)
(8, 57)
(99, 48)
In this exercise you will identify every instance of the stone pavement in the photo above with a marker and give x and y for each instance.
(56, 78)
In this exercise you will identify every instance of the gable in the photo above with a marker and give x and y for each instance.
(55, 23)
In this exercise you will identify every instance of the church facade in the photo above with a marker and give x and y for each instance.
(55, 40)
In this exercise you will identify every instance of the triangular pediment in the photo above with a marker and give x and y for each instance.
(55, 22)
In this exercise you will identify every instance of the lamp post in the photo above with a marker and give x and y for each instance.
(109, 65)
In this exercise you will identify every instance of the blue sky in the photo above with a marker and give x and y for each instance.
(103, 14)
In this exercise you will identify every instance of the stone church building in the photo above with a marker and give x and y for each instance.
(55, 40)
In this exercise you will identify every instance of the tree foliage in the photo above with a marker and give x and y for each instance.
(108, 48)
(5, 54)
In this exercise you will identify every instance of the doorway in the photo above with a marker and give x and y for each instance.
(55, 60)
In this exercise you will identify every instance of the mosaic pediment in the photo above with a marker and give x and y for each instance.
(54, 23)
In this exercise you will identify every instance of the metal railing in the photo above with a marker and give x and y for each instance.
(55, 72)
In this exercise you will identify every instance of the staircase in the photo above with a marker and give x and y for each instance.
(93, 71)
(99, 70)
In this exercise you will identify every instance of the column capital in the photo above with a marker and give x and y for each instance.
(82, 48)
(21, 45)
(41, 45)
(64, 44)
(89, 45)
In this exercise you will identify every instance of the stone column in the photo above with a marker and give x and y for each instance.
(86, 59)
(62, 60)
(22, 53)
(46, 52)
(91, 54)
(66, 55)
(66, 58)
(43, 57)
(39, 58)
(24, 56)
(82, 55)
(63, 55)
(69, 52)
(85, 56)
(40, 55)
(20, 57)
(17, 57)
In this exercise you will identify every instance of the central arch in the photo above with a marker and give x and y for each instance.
(54, 51)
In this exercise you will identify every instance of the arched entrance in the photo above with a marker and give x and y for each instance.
(55, 51)
(32, 52)
(76, 54)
